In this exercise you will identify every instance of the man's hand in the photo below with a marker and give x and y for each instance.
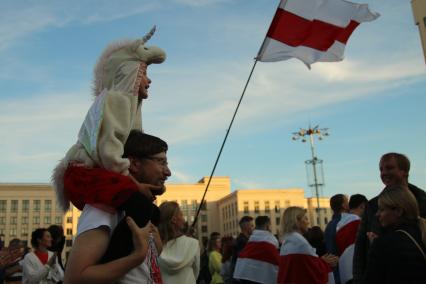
(140, 237)
(371, 236)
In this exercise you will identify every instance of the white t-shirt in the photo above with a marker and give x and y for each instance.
(92, 218)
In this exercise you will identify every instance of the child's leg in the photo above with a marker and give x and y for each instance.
(85, 185)
(140, 208)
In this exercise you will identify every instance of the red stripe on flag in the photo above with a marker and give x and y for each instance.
(302, 268)
(346, 235)
(262, 251)
(294, 30)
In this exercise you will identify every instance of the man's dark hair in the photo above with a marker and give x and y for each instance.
(244, 220)
(141, 145)
(336, 203)
(214, 235)
(14, 242)
(402, 161)
(56, 231)
(262, 221)
(356, 200)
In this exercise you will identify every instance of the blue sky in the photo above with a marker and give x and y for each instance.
(372, 101)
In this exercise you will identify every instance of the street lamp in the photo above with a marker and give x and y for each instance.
(302, 136)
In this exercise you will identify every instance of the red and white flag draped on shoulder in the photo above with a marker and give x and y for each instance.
(299, 264)
(258, 261)
(346, 231)
(312, 30)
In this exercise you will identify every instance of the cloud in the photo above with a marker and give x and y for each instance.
(201, 104)
(199, 3)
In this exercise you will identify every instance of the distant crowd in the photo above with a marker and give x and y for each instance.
(381, 240)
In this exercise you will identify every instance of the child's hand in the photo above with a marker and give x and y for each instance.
(148, 190)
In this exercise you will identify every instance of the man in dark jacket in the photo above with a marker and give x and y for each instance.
(339, 204)
(394, 169)
(247, 226)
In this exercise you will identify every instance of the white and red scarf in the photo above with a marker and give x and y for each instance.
(299, 263)
(258, 261)
(346, 231)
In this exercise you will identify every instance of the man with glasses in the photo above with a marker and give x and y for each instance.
(104, 237)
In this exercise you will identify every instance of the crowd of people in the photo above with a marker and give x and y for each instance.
(115, 170)
(382, 240)
(41, 264)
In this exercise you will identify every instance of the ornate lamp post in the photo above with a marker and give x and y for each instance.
(302, 136)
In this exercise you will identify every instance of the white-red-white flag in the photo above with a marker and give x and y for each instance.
(299, 263)
(346, 231)
(258, 261)
(312, 30)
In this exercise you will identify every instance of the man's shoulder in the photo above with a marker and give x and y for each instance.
(420, 196)
(418, 192)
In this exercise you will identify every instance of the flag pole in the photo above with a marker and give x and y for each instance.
(223, 143)
(256, 59)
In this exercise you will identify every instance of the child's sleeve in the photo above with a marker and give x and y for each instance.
(119, 116)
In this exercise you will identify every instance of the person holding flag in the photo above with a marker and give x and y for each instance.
(299, 262)
(258, 261)
(346, 231)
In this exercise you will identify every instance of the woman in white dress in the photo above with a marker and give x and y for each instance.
(41, 266)
(180, 259)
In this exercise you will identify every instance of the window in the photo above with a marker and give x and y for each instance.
(204, 229)
(277, 206)
(246, 207)
(277, 221)
(267, 208)
(204, 206)
(203, 218)
(24, 232)
(325, 220)
(25, 220)
(25, 205)
(36, 219)
(69, 243)
(184, 205)
(69, 220)
(47, 205)
(47, 220)
(2, 220)
(36, 205)
(12, 232)
(13, 220)
(194, 205)
(58, 220)
(3, 205)
(69, 231)
(14, 206)
(256, 207)
(287, 203)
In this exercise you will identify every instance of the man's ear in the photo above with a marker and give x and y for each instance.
(134, 164)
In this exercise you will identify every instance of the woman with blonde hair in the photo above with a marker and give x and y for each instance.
(180, 259)
(399, 254)
(299, 262)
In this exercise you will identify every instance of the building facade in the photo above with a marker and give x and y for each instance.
(26, 207)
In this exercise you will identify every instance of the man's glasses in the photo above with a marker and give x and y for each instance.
(161, 161)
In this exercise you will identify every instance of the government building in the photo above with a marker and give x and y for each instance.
(26, 207)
